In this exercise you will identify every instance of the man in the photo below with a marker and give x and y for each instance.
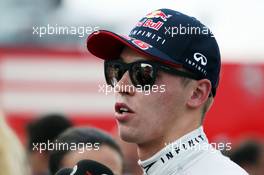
(12, 155)
(249, 155)
(40, 131)
(166, 124)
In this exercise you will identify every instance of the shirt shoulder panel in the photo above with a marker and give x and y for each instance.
(214, 162)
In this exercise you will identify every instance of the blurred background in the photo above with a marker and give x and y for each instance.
(54, 73)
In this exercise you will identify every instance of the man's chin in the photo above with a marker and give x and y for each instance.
(128, 136)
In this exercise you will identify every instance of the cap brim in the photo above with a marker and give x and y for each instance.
(108, 45)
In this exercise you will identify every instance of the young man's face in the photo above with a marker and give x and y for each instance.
(153, 115)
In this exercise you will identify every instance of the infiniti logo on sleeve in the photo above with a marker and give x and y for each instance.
(200, 58)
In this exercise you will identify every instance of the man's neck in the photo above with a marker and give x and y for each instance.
(148, 149)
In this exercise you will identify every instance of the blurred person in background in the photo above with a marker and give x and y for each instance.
(12, 155)
(86, 143)
(44, 130)
(250, 156)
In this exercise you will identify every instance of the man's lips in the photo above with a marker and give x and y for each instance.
(121, 108)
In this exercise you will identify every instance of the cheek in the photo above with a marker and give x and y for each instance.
(160, 106)
(173, 96)
(69, 160)
(159, 110)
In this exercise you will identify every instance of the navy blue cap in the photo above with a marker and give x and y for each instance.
(167, 36)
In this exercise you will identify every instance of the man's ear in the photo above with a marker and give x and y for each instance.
(200, 93)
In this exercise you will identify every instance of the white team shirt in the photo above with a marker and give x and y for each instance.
(190, 155)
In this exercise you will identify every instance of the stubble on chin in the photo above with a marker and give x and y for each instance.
(127, 135)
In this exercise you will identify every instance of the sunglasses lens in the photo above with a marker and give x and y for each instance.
(113, 72)
(143, 75)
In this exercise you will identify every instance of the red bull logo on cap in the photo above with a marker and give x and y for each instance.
(158, 14)
(150, 24)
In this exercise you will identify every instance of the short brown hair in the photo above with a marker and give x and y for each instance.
(206, 105)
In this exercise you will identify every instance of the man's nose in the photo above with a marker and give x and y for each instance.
(124, 86)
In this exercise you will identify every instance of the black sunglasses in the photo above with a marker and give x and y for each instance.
(142, 73)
